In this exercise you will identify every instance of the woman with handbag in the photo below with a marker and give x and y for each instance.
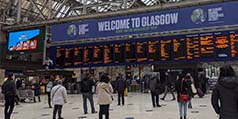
(192, 91)
(183, 95)
(104, 91)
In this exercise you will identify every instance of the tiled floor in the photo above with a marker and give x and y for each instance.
(137, 106)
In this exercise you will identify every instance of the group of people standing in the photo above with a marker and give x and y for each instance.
(224, 97)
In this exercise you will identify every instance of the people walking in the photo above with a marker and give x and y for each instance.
(225, 94)
(49, 87)
(154, 90)
(59, 98)
(120, 87)
(36, 87)
(86, 89)
(183, 95)
(168, 87)
(104, 91)
(9, 91)
(190, 82)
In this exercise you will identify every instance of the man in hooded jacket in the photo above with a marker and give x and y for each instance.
(225, 94)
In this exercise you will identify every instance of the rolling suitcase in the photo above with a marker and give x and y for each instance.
(200, 93)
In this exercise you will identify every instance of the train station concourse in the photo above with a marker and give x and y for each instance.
(118, 59)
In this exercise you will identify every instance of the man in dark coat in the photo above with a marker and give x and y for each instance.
(168, 87)
(37, 92)
(86, 89)
(225, 94)
(9, 90)
(154, 90)
(120, 87)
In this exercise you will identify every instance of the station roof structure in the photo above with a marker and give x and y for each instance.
(24, 11)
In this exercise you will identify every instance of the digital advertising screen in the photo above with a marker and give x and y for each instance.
(26, 40)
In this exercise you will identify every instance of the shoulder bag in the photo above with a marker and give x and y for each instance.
(55, 92)
(183, 97)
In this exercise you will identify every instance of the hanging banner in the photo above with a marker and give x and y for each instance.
(220, 14)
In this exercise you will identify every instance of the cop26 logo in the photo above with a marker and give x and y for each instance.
(198, 16)
(80, 29)
(72, 30)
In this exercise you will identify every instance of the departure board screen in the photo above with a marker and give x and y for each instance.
(142, 48)
(98, 54)
(207, 49)
(108, 54)
(60, 55)
(192, 44)
(165, 49)
(78, 55)
(88, 55)
(153, 50)
(119, 52)
(200, 47)
(69, 57)
(179, 49)
(222, 45)
(234, 44)
(130, 49)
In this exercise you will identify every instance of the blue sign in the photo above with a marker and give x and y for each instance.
(212, 15)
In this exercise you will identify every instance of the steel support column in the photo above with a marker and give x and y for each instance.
(50, 9)
(125, 4)
(19, 11)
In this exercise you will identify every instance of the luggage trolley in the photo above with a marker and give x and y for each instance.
(26, 94)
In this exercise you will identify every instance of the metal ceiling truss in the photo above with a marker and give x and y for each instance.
(41, 10)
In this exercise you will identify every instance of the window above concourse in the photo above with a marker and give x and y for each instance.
(24, 11)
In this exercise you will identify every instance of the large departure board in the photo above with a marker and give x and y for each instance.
(165, 49)
(153, 50)
(119, 53)
(98, 54)
(78, 55)
(69, 57)
(207, 49)
(130, 49)
(214, 46)
(222, 45)
(88, 55)
(179, 49)
(108, 54)
(60, 55)
(234, 43)
(192, 44)
(141, 51)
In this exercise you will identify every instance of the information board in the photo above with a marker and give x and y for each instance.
(78, 56)
(98, 54)
(203, 47)
(130, 50)
(108, 54)
(141, 51)
(119, 52)
(179, 49)
(153, 50)
(192, 44)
